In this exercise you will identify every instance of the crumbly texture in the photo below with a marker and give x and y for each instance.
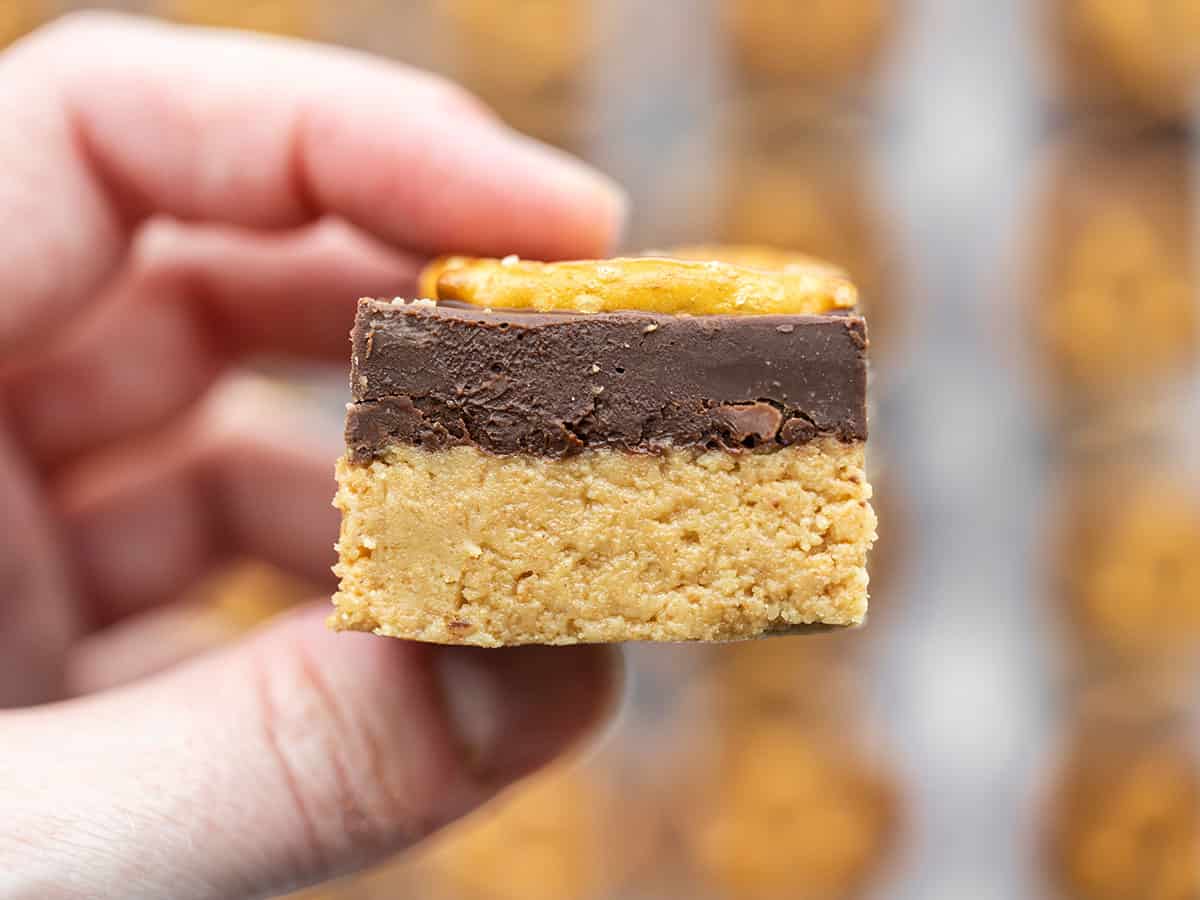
(459, 546)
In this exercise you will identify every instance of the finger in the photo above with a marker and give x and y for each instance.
(289, 759)
(147, 520)
(189, 301)
(145, 645)
(109, 120)
(225, 604)
(38, 617)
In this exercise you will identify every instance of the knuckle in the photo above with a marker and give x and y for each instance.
(276, 727)
(327, 762)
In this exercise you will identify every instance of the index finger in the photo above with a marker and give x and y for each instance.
(109, 120)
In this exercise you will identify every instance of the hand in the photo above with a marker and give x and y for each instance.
(171, 200)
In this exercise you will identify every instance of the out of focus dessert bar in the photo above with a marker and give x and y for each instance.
(1127, 58)
(1115, 281)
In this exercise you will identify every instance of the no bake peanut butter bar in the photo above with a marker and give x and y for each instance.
(632, 449)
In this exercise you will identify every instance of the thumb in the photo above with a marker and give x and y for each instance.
(293, 757)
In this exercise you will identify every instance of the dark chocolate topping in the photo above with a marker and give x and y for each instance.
(555, 383)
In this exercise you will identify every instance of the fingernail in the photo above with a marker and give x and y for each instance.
(514, 710)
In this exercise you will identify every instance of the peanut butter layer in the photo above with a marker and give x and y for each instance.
(648, 284)
(552, 384)
(461, 546)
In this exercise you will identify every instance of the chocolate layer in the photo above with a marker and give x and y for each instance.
(552, 384)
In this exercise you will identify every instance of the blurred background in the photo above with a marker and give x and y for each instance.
(1013, 186)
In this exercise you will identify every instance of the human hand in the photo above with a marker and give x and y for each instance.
(171, 200)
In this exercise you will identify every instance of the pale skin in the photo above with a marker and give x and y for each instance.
(172, 200)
